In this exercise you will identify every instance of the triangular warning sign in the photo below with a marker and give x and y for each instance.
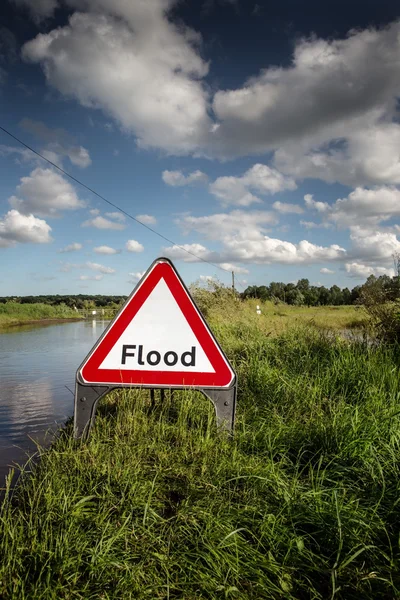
(158, 339)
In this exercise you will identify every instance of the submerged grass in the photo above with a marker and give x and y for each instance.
(302, 503)
(13, 313)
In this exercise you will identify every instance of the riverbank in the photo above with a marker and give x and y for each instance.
(301, 503)
(13, 313)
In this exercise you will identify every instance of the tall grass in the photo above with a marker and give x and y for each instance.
(302, 503)
(13, 313)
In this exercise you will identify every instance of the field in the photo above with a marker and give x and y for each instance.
(303, 502)
(13, 313)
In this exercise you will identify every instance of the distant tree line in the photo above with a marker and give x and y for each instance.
(79, 301)
(302, 293)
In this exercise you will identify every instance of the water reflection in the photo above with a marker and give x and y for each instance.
(37, 366)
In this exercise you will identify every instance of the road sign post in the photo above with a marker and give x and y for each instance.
(158, 340)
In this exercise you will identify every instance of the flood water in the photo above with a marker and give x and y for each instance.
(37, 366)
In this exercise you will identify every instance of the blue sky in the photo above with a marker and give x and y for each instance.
(260, 137)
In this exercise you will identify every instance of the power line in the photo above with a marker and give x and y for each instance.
(111, 203)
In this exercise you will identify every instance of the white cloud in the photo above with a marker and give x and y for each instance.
(116, 216)
(94, 212)
(332, 89)
(207, 278)
(24, 154)
(189, 253)
(146, 219)
(231, 190)
(361, 271)
(106, 250)
(97, 267)
(90, 277)
(368, 207)
(130, 60)
(369, 156)
(270, 250)
(373, 245)
(45, 193)
(134, 246)
(79, 157)
(71, 248)
(100, 222)
(231, 267)
(39, 9)
(260, 179)
(19, 228)
(239, 223)
(265, 250)
(178, 179)
(135, 277)
(311, 204)
(326, 271)
(287, 208)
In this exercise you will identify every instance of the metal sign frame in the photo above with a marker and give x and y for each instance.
(87, 395)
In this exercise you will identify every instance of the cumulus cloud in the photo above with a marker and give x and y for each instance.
(326, 271)
(231, 267)
(133, 62)
(265, 250)
(146, 219)
(361, 271)
(330, 89)
(373, 245)
(46, 193)
(59, 143)
(367, 206)
(239, 223)
(101, 268)
(287, 208)
(311, 204)
(178, 179)
(369, 156)
(260, 179)
(71, 248)
(106, 250)
(270, 250)
(134, 246)
(100, 222)
(20, 228)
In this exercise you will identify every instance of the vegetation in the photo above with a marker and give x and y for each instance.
(302, 503)
(13, 313)
(302, 293)
(79, 301)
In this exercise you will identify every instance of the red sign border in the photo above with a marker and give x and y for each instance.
(224, 376)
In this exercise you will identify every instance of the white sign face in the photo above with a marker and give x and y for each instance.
(158, 337)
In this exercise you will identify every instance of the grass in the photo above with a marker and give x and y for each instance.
(275, 319)
(13, 313)
(303, 502)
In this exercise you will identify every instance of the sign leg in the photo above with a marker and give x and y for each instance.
(225, 406)
(86, 399)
